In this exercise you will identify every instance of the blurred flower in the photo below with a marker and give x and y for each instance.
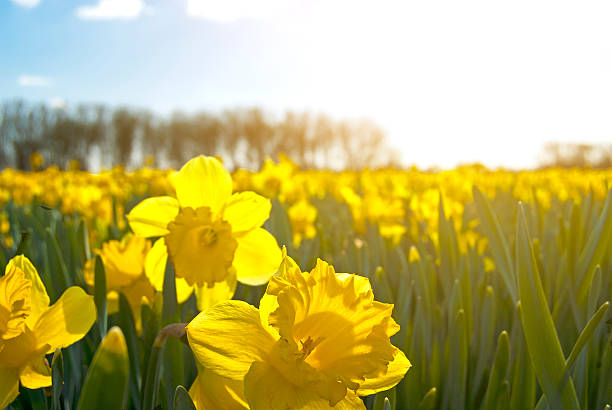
(318, 339)
(302, 216)
(36, 161)
(30, 328)
(124, 266)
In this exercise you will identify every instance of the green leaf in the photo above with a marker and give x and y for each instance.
(523, 380)
(126, 321)
(456, 382)
(151, 382)
(429, 400)
(498, 372)
(182, 401)
(57, 374)
(594, 251)
(542, 341)
(106, 384)
(279, 225)
(61, 271)
(170, 312)
(497, 241)
(100, 295)
(584, 337)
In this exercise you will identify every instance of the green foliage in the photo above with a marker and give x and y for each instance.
(106, 384)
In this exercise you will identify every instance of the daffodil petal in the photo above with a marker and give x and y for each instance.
(39, 297)
(257, 257)
(203, 181)
(155, 269)
(228, 337)
(246, 210)
(395, 373)
(183, 290)
(210, 391)
(9, 386)
(151, 216)
(267, 305)
(36, 374)
(155, 264)
(266, 389)
(67, 320)
(207, 297)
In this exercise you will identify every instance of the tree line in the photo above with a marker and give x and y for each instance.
(101, 136)
(581, 155)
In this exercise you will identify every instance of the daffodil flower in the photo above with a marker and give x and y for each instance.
(124, 265)
(30, 328)
(318, 340)
(302, 216)
(213, 237)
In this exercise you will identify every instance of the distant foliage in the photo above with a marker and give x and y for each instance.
(98, 135)
(569, 155)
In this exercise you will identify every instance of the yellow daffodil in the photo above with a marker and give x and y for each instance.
(124, 265)
(302, 216)
(30, 328)
(211, 235)
(318, 340)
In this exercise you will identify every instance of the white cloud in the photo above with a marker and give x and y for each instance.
(111, 9)
(233, 10)
(26, 3)
(57, 103)
(26, 80)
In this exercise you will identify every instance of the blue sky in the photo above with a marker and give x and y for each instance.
(450, 81)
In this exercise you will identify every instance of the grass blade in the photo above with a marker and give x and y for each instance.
(540, 333)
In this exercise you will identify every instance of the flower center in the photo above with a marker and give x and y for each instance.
(208, 236)
(200, 247)
(309, 345)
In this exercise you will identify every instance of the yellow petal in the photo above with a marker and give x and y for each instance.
(395, 373)
(210, 391)
(155, 269)
(15, 294)
(155, 264)
(266, 389)
(207, 297)
(151, 216)
(267, 305)
(203, 182)
(67, 320)
(183, 290)
(124, 260)
(246, 210)
(36, 374)
(257, 257)
(9, 386)
(40, 299)
(228, 337)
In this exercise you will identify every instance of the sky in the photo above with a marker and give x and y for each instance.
(450, 81)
